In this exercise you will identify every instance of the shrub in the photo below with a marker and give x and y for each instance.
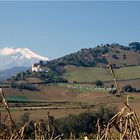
(128, 88)
(85, 122)
(26, 86)
(24, 118)
(124, 56)
(29, 131)
(114, 56)
(99, 83)
(113, 91)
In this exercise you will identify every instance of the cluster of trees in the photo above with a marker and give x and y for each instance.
(85, 122)
(26, 86)
(134, 45)
(129, 88)
(52, 76)
(114, 56)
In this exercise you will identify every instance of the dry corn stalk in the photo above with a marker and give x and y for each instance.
(125, 122)
(52, 129)
(12, 124)
(39, 131)
(47, 132)
(9, 132)
(72, 136)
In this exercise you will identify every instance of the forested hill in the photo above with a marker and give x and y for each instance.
(120, 56)
(85, 57)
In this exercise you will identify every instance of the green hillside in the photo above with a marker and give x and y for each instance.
(90, 74)
(120, 56)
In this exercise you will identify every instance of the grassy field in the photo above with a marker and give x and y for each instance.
(76, 102)
(95, 100)
(17, 98)
(91, 74)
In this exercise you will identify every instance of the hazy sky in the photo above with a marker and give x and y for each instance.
(55, 29)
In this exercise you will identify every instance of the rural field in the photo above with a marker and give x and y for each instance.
(91, 74)
(62, 100)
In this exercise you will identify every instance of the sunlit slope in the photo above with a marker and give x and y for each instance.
(90, 74)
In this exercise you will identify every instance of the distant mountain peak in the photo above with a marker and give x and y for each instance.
(21, 53)
(18, 57)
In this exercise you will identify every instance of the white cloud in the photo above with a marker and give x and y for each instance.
(7, 51)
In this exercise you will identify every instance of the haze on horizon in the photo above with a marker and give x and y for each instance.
(54, 29)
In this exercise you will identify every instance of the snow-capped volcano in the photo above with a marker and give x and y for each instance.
(13, 57)
(21, 53)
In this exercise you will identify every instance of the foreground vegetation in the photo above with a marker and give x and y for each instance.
(85, 122)
(52, 129)
(103, 124)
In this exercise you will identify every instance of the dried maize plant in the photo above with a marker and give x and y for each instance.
(72, 136)
(39, 132)
(8, 128)
(6, 131)
(124, 125)
(48, 132)
(53, 132)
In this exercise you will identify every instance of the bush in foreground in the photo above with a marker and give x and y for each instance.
(85, 122)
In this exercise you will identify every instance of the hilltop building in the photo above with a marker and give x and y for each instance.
(39, 67)
(36, 68)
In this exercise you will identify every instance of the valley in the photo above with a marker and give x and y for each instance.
(74, 85)
(61, 100)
